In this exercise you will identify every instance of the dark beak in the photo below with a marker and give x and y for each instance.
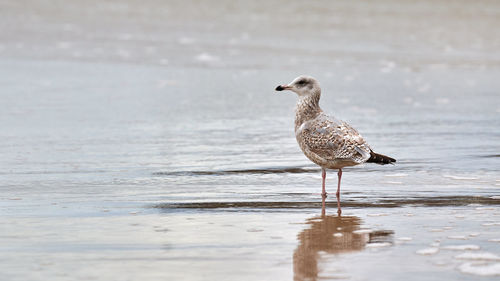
(282, 87)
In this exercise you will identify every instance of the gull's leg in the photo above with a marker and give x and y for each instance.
(323, 206)
(339, 210)
(323, 174)
(339, 174)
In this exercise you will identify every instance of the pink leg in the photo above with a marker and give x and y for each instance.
(339, 174)
(339, 210)
(323, 174)
(323, 206)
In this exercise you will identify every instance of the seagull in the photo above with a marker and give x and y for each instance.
(327, 141)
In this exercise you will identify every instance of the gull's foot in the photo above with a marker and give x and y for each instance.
(338, 194)
(339, 212)
(324, 194)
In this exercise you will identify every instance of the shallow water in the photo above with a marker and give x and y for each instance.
(145, 140)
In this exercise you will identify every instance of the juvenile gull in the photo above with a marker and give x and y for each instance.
(325, 140)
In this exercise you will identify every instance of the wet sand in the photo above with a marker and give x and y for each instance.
(144, 141)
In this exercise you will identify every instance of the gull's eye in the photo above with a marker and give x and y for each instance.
(301, 82)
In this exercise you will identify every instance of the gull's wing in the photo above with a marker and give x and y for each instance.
(333, 139)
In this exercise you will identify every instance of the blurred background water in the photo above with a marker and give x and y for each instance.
(145, 139)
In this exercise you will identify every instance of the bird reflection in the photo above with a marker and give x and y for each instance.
(333, 235)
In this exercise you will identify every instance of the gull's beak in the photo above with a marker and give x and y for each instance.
(283, 87)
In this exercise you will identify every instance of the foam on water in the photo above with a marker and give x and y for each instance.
(393, 182)
(377, 215)
(458, 237)
(481, 269)
(461, 247)
(435, 244)
(396, 175)
(404, 238)
(485, 208)
(378, 245)
(491, 224)
(486, 256)
(428, 251)
(204, 57)
(459, 177)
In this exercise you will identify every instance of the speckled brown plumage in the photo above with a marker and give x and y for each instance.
(325, 140)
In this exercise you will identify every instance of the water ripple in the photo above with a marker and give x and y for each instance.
(279, 170)
(381, 203)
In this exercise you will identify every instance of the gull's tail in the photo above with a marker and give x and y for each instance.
(380, 159)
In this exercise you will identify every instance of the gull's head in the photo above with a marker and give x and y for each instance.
(302, 86)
